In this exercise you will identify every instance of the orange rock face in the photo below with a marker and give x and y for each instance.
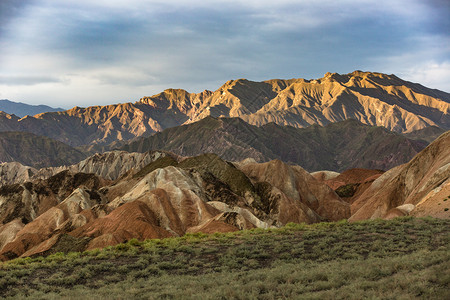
(131, 220)
(304, 199)
(416, 188)
(371, 98)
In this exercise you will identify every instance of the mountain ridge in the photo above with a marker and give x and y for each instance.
(372, 98)
(36, 151)
(336, 146)
(22, 109)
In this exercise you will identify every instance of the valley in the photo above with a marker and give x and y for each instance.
(224, 149)
(254, 178)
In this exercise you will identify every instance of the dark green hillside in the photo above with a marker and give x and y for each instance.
(428, 134)
(36, 151)
(403, 258)
(337, 146)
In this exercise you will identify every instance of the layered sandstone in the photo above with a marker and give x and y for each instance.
(416, 188)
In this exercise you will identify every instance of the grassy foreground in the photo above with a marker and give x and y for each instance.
(403, 258)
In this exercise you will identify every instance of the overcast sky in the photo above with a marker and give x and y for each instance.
(84, 52)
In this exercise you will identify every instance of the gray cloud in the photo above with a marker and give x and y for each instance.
(439, 16)
(29, 80)
(10, 9)
(145, 45)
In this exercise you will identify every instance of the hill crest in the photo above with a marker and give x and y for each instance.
(372, 98)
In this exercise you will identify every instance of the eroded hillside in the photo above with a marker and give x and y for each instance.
(371, 98)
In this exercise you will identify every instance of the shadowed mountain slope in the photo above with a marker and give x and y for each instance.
(337, 146)
(428, 134)
(36, 151)
(371, 98)
(21, 109)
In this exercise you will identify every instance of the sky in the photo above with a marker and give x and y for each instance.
(83, 52)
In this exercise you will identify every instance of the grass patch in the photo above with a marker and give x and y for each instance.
(400, 258)
(348, 190)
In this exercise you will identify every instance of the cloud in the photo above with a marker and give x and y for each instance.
(427, 62)
(100, 51)
(29, 80)
(430, 74)
(10, 9)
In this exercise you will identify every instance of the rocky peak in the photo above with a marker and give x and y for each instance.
(365, 96)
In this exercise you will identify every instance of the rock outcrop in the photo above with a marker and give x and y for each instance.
(416, 188)
(115, 164)
(15, 172)
(29, 200)
(167, 197)
(40, 235)
(109, 165)
(350, 184)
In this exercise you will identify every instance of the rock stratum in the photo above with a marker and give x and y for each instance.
(372, 98)
(159, 194)
(170, 196)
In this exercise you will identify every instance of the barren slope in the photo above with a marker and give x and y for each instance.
(36, 151)
(416, 188)
(338, 146)
(372, 98)
(166, 198)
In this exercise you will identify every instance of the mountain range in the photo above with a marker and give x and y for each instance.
(372, 98)
(21, 109)
(336, 147)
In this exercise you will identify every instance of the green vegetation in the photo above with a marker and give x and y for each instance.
(348, 190)
(398, 259)
(161, 162)
(222, 170)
